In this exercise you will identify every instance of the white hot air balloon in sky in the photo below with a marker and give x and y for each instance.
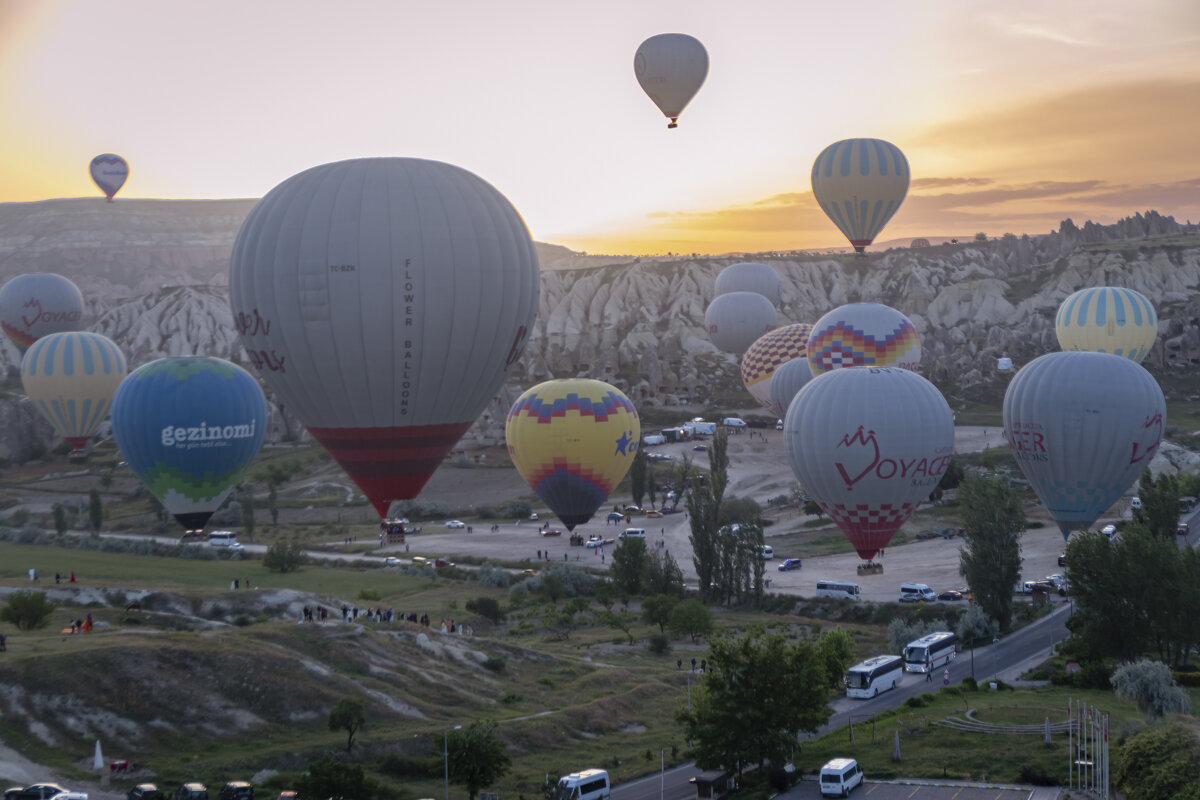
(750, 276)
(671, 68)
(384, 301)
(735, 320)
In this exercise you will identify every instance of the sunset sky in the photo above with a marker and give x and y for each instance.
(1013, 115)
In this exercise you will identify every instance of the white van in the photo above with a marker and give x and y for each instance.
(916, 593)
(632, 533)
(654, 438)
(733, 422)
(590, 784)
(839, 776)
(225, 539)
(768, 552)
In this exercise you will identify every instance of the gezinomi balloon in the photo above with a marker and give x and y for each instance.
(869, 445)
(1082, 426)
(863, 335)
(384, 300)
(750, 276)
(671, 68)
(767, 354)
(572, 441)
(1106, 319)
(71, 377)
(860, 184)
(190, 428)
(787, 382)
(35, 305)
(110, 172)
(735, 320)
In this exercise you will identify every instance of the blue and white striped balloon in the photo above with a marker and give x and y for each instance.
(860, 184)
(1105, 319)
(71, 376)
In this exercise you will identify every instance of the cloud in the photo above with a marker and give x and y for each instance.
(1030, 31)
(918, 184)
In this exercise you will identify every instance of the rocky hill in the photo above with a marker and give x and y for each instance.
(154, 275)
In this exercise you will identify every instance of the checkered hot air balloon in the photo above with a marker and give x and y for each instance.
(768, 353)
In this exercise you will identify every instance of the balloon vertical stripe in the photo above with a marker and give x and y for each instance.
(71, 378)
(1107, 320)
(860, 184)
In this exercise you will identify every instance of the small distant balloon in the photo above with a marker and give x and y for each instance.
(768, 353)
(750, 276)
(864, 335)
(71, 377)
(671, 68)
(919, 242)
(860, 184)
(735, 320)
(110, 172)
(1106, 319)
(36, 305)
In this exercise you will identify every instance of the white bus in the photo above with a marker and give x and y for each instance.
(591, 784)
(842, 589)
(873, 676)
(930, 651)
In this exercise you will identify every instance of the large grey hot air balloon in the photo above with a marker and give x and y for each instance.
(38, 304)
(750, 276)
(384, 300)
(735, 320)
(671, 68)
(869, 444)
(1082, 425)
(786, 383)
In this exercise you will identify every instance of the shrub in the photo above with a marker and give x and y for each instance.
(28, 610)
(284, 557)
(492, 576)
(969, 684)
(495, 664)
(487, 607)
(1037, 776)
(659, 643)
(368, 594)
(916, 701)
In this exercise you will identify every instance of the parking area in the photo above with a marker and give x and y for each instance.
(928, 790)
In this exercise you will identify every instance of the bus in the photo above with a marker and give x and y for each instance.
(849, 591)
(873, 676)
(930, 651)
(590, 784)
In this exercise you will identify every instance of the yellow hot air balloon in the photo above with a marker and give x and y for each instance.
(71, 377)
(1106, 319)
(573, 440)
(860, 184)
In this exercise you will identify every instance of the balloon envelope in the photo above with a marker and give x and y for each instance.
(1107, 320)
(860, 184)
(109, 171)
(750, 276)
(384, 301)
(32, 306)
(788, 380)
(735, 320)
(869, 445)
(71, 377)
(671, 68)
(573, 441)
(1082, 426)
(863, 335)
(189, 428)
(769, 353)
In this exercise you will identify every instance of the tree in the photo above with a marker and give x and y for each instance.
(704, 514)
(663, 575)
(651, 483)
(273, 501)
(656, 610)
(1159, 762)
(836, 649)
(487, 607)
(690, 618)
(327, 778)
(95, 511)
(284, 556)
(730, 724)
(813, 508)
(976, 625)
(1160, 503)
(991, 555)
(60, 519)
(246, 501)
(28, 610)
(630, 565)
(476, 757)
(637, 476)
(1151, 685)
(348, 715)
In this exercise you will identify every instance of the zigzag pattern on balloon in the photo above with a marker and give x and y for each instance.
(545, 410)
(875, 525)
(561, 470)
(773, 350)
(842, 345)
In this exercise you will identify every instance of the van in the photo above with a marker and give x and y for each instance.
(839, 776)
(192, 791)
(654, 438)
(778, 424)
(590, 784)
(733, 422)
(916, 592)
(768, 552)
(632, 533)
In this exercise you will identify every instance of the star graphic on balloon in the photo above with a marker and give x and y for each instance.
(623, 443)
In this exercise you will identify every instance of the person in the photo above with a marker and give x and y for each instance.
(3, 643)
(929, 673)
(57, 578)
(946, 678)
(72, 580)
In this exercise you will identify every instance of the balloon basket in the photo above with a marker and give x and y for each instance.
(870, 568)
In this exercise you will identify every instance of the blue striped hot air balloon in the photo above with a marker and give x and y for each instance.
(71, 377)
(860, 184)
(1106, 319)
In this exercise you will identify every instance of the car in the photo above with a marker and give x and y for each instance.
(910, 598)
(951, 595)
(778, 424)
(552, 532)
(1062, 559)
(73, 796)
(456, 523)
(236, 547)
(789, 564)
(1183, 529)
(631, 509)
(594, 541)
(193, 790)
(236, 790)
(530, 573)
(614, 516)
(144, 791)
(654, 514)
(441, 562)
(392, 561)
(419, 561)
(1135, 503)
(533, 517)
(700, 447)
(34, 791)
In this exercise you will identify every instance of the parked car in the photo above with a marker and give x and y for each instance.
(70, 796)
(700, 447)
(789, 564)
(192, 791)
(631, 509)
(455, 523)
(392, 561)
(1183, 529)
(951, 595)
(613, 516)
(533, 517)
(144, 791)
(34, 791)
(1062, 559)
(441, 562)
(530, 573)
(1135, 503)
(654, 514)
(595, 541)
(237, 790)
(552, 532)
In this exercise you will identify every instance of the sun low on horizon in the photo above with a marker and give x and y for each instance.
(1012, 118)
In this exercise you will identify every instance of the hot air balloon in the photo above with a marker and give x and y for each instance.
(384, 301)
(671, 68)
(787, 382)
(770, 352)
(71, 377)
(1082, 426)
(737, 319)
(32, 306)
(750, 276)
(189, 427)
(1107, 320)
(573, 441)
(869, 445)
(109, 171)
(860, 184)
(863, 335)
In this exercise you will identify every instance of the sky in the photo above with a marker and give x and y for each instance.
(1013, 116)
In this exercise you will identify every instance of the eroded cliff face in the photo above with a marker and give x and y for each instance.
(154, 275)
